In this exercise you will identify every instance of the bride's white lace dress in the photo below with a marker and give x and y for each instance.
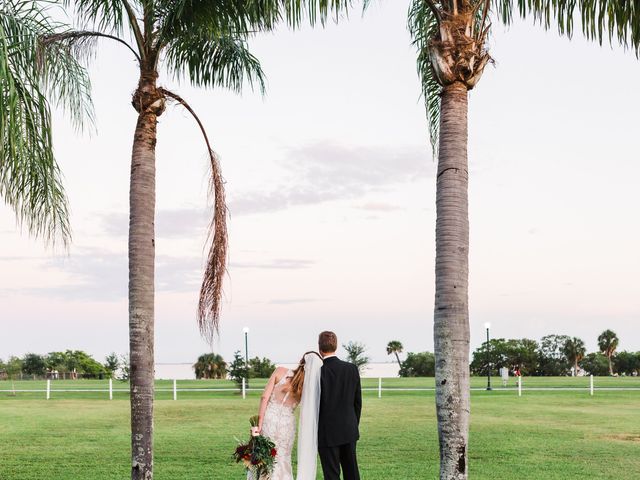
(279, 424)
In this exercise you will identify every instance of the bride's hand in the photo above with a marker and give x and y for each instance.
(255, 431)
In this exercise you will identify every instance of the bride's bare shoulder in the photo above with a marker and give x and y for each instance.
(279, 372)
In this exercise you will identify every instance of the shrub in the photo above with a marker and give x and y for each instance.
(419, 365)
(595, 364)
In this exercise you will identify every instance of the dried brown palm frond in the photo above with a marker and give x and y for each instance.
(217, 239)
(211, 289)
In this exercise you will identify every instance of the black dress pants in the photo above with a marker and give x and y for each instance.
(332, 458)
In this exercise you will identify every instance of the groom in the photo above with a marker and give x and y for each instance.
(340, 407)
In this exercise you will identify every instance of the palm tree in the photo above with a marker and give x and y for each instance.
(204, 42)
(574, 350)
(30, 180)
(207, 46)
(451, 40)
(210, 366)
(395, 347)
(608, 342)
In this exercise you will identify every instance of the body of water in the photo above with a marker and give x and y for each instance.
(184, 371)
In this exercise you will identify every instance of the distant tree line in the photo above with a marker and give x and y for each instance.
(555, 355)
(74, 364)
(70, 364)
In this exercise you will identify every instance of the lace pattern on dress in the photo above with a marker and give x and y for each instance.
(279, 425)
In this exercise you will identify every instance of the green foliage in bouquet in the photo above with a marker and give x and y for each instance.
(258, 455)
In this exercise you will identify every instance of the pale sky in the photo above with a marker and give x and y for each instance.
(332, 195)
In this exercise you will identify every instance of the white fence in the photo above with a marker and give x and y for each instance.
(244, 389)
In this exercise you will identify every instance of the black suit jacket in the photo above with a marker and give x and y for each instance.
(340, 403)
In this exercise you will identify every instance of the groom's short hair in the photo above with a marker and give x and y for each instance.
(327, 342)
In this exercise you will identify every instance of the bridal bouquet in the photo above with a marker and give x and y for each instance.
(258, 455)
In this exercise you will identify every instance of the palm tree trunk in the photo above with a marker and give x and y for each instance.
(398, 358)
(141, 277)
(610, 365)
(451, 313)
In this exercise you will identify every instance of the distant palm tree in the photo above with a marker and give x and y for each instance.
(608, 342)
(574, 350)
(30, 180)
(395, 347)
(210, 366)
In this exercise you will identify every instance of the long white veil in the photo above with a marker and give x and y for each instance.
(309, 411)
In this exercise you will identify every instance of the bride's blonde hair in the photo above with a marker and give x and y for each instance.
(297, 381)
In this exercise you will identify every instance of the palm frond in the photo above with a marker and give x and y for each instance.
(222, 17)
(241, 17)
(111, 16)
(65, 78)
(423, 26)
(612, 20)
(211, 290)
(366, 4)
(105, 15)
(224, 61)
(30, 179)
(81, 44)
(315, 11)
(58, 70)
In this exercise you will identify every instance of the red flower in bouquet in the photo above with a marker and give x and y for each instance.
(257, 455)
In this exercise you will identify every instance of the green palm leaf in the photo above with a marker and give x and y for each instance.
(106, 15)
(611, 20)
(214, 62)
(295, 11)
(30, 179)
(423, 26)
(220, 18)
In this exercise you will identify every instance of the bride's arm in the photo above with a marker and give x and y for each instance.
(265, 397)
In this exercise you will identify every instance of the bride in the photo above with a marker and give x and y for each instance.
(286, 390)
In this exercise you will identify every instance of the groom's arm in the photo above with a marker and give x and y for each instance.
(357, 404)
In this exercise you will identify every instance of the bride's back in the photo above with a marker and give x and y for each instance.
(281, 394)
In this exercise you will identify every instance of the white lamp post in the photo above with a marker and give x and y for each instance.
(245, 330)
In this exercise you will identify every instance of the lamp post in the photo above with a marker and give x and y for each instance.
(245, 330)
(488, 326)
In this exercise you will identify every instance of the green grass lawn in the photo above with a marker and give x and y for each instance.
(543, 435)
